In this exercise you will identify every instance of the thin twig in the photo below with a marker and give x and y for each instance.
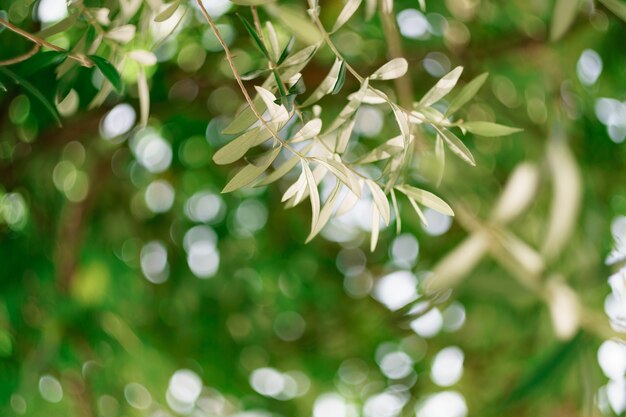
(82, 59)
(22, 57)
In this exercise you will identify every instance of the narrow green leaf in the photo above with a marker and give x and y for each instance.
(325, 213)
(167, 12)
(562, 17)
(442, 88)
(314, 194)
(237, 148)
(394, 202)
(311, 129)
(375, 227)
(441, 159)
(245, 118)
(255, 36)
(348, 10)
(391, 147)
(426, 198)
(252, 171)
(617, 7)
(456, 146)
(286, 167)
(109, 71)
(285, 53)
(42, 60)
(489, 129)
(58, 27)
(380, 199)
(33, 91)
(341, 78)
(467, 93)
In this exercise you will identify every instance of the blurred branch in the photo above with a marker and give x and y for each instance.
(82, 59)
(22, 57)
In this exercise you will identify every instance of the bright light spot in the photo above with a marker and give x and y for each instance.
(385, 404)
(183, 391)
(616, 393)
(152, 151)
(447, 366)
(612, 114)
(13, 210)
(137, 396)
(369, 121)
(118, 121)
(404, 250)
(289, 326)
(330, 405)
(396, 365)
(205, 207)
(453, 317)
(215, 8)
(396, 289)
(51, 11)
(612, 359)
(443, 404)
(436, 64)
(438, 223)
(50, 389)
(203, 259)
(589, 67)
(413, 24)
(250, 216)
(429, 324)
(267, 381)
(159, 196)
(154, 262)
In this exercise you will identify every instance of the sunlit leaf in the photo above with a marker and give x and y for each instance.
(456, 146)
(252, 171)
(277, 112)
(442, 88)
(380, 199)
(467, 93)
(314, 195)
(326, 212)
(144, 97)
(389, 148)
(237, 148)
(122, 34)
(375, 228)
(395, 68)
(348, 10)
(426, 198)
(563, 16)
(311, 129)
(489, 128)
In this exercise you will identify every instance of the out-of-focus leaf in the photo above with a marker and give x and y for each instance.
(143, 57)
(144, 97)
(34, 91)
(391, 147)
(2, 87)
(426, 198)
(617, 7)
(518, 193)
(441, 158)
(456, 146)
(467, 93)
(442, 88)
(286, 167)
(59, 27)
(375, 228)
(167, 12)
(396, 211)
(348, 10)
(42, 60)
(122, 34)
(395, 68)
(251, 2)
(566, 198)
(562, 17)
(252, 171)
(564, 308)
(296, 22)
(489, 129)
(109, 72)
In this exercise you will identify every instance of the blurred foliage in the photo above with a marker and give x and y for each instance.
(132, 287)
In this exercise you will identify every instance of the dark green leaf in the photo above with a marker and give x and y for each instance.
(250, 29)
(42, 60)
(341, 79)
(109, 71)
(33, 91)
(286, 51)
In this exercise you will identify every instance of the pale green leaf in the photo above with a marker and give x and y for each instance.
(167, 12)
(441, 158)
(456, 146)
(285, 168)
(348, 10)
(489, 129)
(314, 194)
(563, 16)
(273, 39)
(349, 201)
(311, 129)
(418, 210)
(442, 88)
(616, 6)
(467, 93)
(389, 148)
(296, 22)
(375, 228)
(237, 148)
(278, 113)
(380, 199)
(245, 118)
(302, 57)
(326, 212)
(426, 198)
(395, 68)
(144, 97)
(252, 171)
